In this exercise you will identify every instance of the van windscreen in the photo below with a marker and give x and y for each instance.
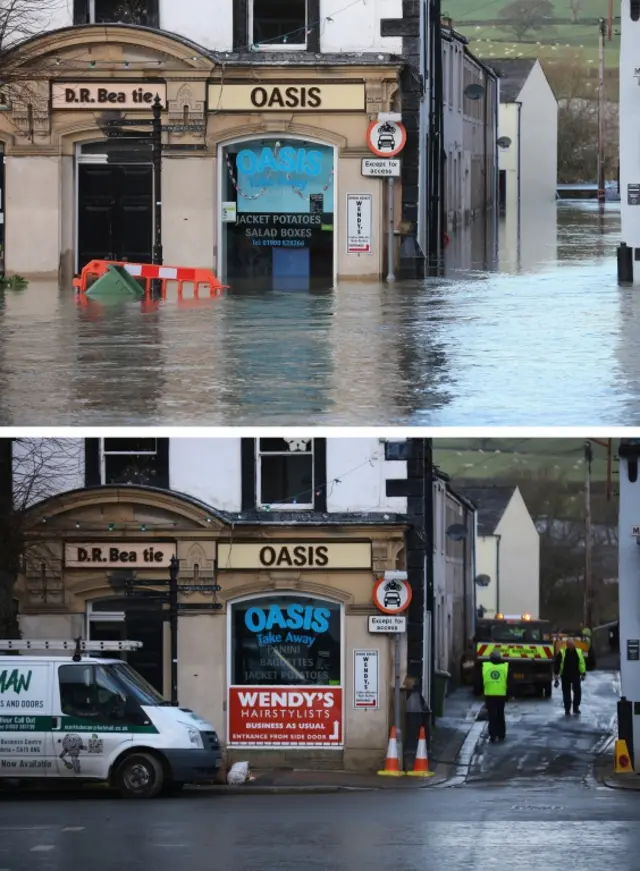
(135, 684)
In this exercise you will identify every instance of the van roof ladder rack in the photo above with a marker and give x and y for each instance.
(77, 645)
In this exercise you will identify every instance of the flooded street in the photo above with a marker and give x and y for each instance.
(533, 331)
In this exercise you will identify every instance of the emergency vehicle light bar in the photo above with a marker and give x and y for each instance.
(76, 645)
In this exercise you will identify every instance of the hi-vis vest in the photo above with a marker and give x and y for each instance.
(494, 678)
(582, 666)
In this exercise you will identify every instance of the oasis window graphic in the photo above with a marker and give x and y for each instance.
(286, 641)
(281, 178)
(286, 673)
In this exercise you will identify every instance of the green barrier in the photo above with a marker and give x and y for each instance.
(116, 283)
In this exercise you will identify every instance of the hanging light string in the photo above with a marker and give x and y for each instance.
(220, 56)
(328, 487)
(306, 30)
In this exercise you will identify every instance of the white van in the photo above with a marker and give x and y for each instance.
(88, 718)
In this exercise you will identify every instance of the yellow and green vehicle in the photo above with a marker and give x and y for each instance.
(525, 643)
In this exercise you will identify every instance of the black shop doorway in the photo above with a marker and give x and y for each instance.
(128, 620)
(115, 212)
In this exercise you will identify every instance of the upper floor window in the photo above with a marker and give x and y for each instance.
(132, 461)
(278, 24)
(285, 473)
(143, 12)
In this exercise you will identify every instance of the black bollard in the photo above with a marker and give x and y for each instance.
(625, 264)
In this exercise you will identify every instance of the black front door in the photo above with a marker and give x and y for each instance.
(146, 625)
(115, 214)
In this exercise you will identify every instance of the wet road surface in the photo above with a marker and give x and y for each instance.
(535, 333)
(543, 744)
(528, 804)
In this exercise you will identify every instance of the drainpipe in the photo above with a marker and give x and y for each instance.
(496, 166)
(485, 139)
(471, 630)
(465, 591)
(519, 186)
(497, 537)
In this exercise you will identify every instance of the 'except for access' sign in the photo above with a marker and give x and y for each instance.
(380, 167)
(392, 624)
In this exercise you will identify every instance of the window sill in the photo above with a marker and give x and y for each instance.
(287, 506)
(280, 47)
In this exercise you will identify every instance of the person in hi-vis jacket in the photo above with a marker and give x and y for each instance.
(571, 669)
(495, 676)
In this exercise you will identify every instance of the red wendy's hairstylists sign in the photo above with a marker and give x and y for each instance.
(285, 716)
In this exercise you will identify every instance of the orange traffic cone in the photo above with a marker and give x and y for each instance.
(392, 763)
(622, 760)
(421, 765)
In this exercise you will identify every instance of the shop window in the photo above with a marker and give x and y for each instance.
(142, 461)
(278, 24)
(286, 641)
(278, 211)
(285, 472)
(141, 12)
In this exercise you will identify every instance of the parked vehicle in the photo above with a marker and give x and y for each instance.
(524, 643)
(85, 718)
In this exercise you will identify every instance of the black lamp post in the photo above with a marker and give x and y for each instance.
(174, 568)
(156, 141)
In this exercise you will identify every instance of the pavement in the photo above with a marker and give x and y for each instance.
(535, 802)
(448, 737)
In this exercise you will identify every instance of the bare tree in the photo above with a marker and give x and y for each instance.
(31, 470)
(576, 88)
(576, 8)
(556, 506)
(21, 69)
(522, 16)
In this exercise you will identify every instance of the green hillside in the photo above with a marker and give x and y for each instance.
(491, 37)
(495, 460)
(486, 9)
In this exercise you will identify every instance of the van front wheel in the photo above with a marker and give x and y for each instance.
(139, 776)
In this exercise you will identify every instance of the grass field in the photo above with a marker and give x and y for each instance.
(486, 9)
(576, 42)
(497, 460)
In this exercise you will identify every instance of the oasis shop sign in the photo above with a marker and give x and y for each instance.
(109, 555)
(287, 97)
(321, 556)
(107, 95)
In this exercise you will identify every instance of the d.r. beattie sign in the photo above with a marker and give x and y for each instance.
(107, 95)
(147, 555)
